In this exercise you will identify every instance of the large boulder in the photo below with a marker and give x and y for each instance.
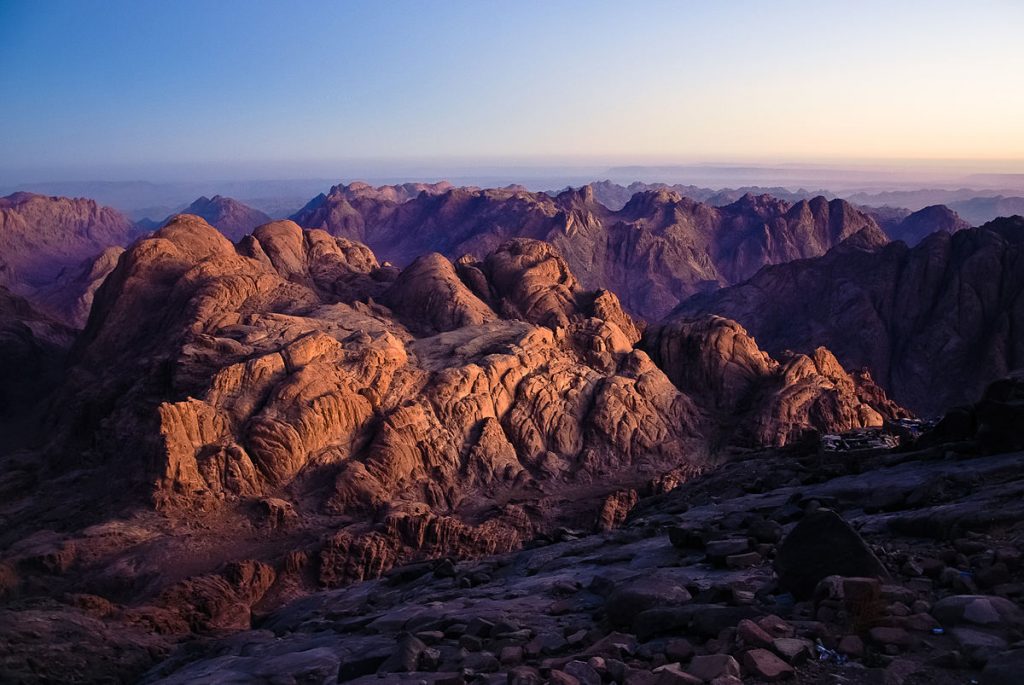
(823, 544)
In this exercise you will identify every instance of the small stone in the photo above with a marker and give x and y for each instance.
(673, 674)
(793, 650)
(560, 607)
(524, 675)
(752, 635)
(686, 538)
(679, 649)
(743, 560)
(481, 662)
(430, 637)
(511, 655)
(710, 666)
(613, 645)
(897, 637)
(763, 664)
(480, 627)
(576, 638)
(726, 680)
(582, 672)
(545, 643)
(775, 626)
(719, 549)
(852, 646)
(430, 659)
(471, 643)
(561, 678)
(406, 656)
(765, 530)
(898, 670)
(921, 623)
(861, 590)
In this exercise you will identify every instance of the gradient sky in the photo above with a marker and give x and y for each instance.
(90, 86)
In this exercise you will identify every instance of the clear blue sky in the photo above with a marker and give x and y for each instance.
(97, 85)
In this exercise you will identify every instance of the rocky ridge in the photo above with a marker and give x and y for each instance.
(40, 236)
(934, 323)
(657, 249)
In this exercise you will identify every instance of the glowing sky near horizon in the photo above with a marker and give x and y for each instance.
(106, 83)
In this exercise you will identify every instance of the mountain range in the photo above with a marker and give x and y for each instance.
(205, 423)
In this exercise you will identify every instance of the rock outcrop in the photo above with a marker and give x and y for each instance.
(934, 324)
(294, 368)
(761, 401)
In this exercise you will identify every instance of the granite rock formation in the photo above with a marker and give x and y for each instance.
(934, 323)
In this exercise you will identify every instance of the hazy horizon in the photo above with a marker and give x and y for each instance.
(160, 91)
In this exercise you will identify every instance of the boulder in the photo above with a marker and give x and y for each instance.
(710, 666)
(823, 544)
(979, 610)
(634, 597)
(764, 665)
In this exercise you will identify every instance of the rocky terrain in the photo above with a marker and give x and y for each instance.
(884, 567)
(259, 460)
(659, 248)
(287, 414)
(934, 323)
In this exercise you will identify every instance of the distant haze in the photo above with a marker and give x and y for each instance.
(237, 90)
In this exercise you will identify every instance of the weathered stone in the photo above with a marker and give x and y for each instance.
(793, 650)
(743, 560)
(752, 635)
(852, 646)
(823, 544)
(406, 656)
(765, 665)
(979, 610)
(673, 674)
(626, 602)
(898, 637)
(711, 666)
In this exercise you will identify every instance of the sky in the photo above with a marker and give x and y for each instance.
(95, 89)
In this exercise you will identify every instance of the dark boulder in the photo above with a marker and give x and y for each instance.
(823, 544)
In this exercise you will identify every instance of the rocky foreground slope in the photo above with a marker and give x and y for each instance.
(934, 323)
(895, 568)
(657, 249)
